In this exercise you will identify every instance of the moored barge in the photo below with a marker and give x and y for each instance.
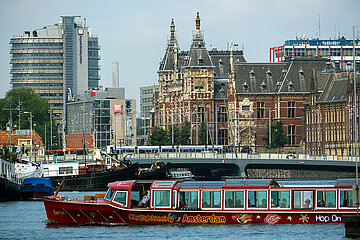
(234, 201)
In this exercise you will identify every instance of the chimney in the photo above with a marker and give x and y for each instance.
(115, 74)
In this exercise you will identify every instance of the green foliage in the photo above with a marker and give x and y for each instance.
(161, 137)
(185, 133)
(158, 137)
(30, 102)
(202, 134)
(7, 155)
(278, 137)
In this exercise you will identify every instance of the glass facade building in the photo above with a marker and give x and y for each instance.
(46, 58)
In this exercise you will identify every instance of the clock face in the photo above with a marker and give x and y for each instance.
(200, 83)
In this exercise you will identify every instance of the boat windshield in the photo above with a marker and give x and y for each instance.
(109, 194)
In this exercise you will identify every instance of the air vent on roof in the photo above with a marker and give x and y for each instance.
(283, 71)
(278, 85)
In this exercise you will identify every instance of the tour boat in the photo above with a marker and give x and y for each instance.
(233, 201)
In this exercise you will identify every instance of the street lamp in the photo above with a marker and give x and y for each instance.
(227, 112)
(270, 133)
(31, 131)
(191, 118)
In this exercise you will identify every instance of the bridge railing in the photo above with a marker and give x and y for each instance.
(272, 156)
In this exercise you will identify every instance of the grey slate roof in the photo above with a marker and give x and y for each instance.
(260, 71)
(221, 61)
(198, 51)
(218, 85)
(335, 88)
(287, 77)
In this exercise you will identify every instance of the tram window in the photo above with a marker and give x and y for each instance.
(121, 197)
(161, 198)
(346, 199)
(257, 199)
(110, 194)
(303, 199)
(326, 199)
(234, 199)
(280, 199)
(189, 199)
(211, 199)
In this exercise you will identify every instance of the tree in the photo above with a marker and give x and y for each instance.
(278, 137)
(158, 137)
(185, 133)
(202, 134)
(30, 102)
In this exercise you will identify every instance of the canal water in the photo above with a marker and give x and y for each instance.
(26, 220)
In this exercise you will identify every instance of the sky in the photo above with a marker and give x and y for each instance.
(135, 32)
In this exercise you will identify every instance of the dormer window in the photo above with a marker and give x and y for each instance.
(291, 86)
(252, 73)
(200, 61)
(268, 73)
(220, 62)
(263, 86)
(245, 86)
(301, 72)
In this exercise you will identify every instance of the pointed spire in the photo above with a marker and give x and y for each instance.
(197, 21)
(172, 30)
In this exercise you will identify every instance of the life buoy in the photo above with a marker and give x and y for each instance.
(292, 156)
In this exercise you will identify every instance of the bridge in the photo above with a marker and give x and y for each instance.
(261, 165)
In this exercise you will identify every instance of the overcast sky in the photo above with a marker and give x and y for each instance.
(134, 33)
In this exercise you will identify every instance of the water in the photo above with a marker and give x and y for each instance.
(26, 220)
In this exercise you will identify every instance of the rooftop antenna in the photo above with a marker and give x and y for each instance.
(319, 27)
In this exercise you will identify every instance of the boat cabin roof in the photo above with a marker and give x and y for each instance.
(233, 184)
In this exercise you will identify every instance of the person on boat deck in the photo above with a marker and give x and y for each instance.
(183, 205)
(145, 199)
(321, 203)
(272, 203)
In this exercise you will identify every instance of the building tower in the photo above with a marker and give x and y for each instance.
(115, 74)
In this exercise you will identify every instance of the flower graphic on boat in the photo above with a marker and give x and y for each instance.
(304, 218)
(242, 218)
(272, 218)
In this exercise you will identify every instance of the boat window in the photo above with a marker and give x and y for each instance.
(234, 199)
(65, 170)
(280, 199)
(211, 199)
(109, 194)
(161, 198)
(303, 199)
(121, 197)
(346, 199)
(188, 199)
(326, 199)
(257, 199)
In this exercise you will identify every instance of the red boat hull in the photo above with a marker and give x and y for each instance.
(101, 212)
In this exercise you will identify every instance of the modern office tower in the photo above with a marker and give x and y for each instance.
(46, 58)
(115, 74)
(146, 99)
